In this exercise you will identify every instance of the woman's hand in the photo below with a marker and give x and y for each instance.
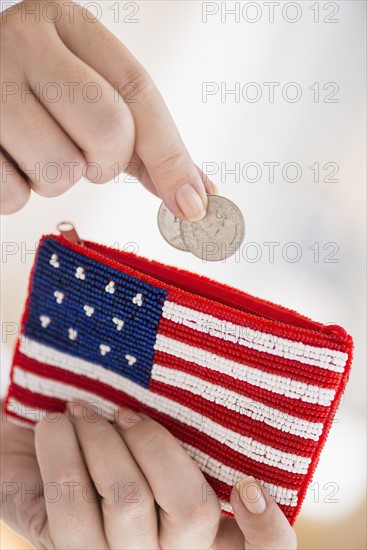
(76, 103)
(82, 482)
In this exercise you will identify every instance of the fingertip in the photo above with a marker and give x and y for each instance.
(260, 519)
(74, 409)
(126, 418)
(251, 495)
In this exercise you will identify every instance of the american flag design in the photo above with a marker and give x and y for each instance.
(247, 387)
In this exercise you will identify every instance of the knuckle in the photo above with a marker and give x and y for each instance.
(135, 504)
(139, 85)
(13, 30)
(65, 474)
(57, 177)
(203, 514)
(117, 129)
(13, 201)
(68, 177)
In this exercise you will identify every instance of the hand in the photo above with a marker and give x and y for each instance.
(149, 490)
(76, 103)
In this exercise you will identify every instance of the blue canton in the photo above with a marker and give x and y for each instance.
(84, 308)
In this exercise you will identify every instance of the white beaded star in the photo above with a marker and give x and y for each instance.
(79, 273)
(130, 359)
(138, 299)
(104, 349)
(45, 321)
(118, 322)
(89, 310)
(54, 261)
(110, 287)
(59, 296)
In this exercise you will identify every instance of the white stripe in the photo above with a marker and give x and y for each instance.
(34, 414)
(324, 358)
(226, 506)
(272, 382)
(243, 445)
(230, 476)
(239, 403)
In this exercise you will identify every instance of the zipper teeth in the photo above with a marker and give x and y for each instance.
(235, 306)
(73, 236)
(208, 294)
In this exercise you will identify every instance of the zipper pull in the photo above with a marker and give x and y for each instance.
(68, 231)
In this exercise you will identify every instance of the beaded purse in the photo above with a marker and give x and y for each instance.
(247, 387)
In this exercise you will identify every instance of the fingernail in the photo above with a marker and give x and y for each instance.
(251, 495)
(127, 418)
(90, 412)
(75, 408)
(215, 189)
(190, 202)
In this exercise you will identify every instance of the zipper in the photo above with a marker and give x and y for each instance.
(68, 230)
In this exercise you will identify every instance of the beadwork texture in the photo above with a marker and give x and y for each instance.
(247, 387)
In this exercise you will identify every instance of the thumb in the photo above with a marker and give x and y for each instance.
(260, 519)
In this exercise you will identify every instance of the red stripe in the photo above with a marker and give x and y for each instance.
(239, 423)
(186, 433)
(35, 402)
(253, 358)
(307, 411)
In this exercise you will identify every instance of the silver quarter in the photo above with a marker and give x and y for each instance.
(219, 234)
(169, 227)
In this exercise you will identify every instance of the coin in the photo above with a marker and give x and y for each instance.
(219, 234)
(169, 226)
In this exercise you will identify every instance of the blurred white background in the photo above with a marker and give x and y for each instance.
(182, 52)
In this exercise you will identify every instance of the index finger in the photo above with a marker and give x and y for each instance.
(158, 142)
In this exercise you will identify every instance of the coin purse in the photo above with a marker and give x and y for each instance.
(246, 386)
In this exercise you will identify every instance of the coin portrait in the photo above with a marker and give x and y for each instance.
(219, 234)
